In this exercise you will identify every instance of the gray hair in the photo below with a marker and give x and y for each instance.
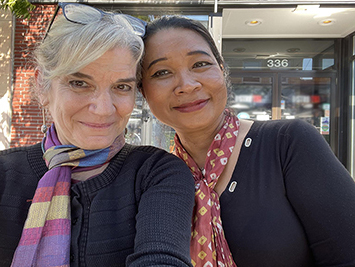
(70, 46)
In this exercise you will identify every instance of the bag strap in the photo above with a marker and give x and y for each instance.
(226, 175)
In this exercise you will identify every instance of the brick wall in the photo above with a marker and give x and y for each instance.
(6, 33)
(27, 116)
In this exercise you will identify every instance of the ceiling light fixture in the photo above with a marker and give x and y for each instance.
(293, 50)
(239, 50)
(326, 22)
(254, 22)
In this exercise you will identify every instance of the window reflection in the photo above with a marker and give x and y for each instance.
(307, 98)
(251, 97)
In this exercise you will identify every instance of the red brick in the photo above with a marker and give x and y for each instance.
(27, 116)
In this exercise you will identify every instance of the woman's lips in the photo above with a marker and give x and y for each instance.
(97, 125)
(192, 106)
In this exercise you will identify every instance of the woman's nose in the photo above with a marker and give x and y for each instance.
(103, 104)
(187, 83)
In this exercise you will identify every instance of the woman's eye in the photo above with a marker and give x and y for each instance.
(160, 73)
(123, 87)
(78, 84)
(201, 64)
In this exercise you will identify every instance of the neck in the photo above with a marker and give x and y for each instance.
(197, 142)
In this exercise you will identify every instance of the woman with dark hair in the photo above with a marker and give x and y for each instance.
(282, 195)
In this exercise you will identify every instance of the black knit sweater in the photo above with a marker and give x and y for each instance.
(136, 213)
(294, 202)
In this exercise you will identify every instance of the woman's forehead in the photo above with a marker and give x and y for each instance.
(175, 39)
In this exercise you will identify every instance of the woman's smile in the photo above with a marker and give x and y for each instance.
(97, 126)
(192, 106)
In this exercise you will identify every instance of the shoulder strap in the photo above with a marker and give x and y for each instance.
(226, 175)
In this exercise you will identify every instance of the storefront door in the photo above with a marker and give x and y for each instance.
(309, 96)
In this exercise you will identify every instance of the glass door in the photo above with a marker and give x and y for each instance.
(308, 96)
(252, 94)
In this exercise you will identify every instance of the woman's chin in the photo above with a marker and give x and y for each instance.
(96, 143)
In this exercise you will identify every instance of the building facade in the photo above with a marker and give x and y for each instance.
(287, 59)
(6, 33)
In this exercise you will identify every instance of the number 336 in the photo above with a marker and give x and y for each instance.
(277, 63)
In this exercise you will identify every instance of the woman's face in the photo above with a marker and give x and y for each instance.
(91, 108)
(182, 81)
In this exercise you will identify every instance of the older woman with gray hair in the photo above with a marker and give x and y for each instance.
(82, 197)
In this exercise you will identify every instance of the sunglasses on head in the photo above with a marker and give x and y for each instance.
(72, 11)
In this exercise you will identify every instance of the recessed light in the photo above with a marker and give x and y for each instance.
(239, 50)
(293, 50)
(326, 22)
(254, 22)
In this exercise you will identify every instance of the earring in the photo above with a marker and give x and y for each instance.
(44, 126)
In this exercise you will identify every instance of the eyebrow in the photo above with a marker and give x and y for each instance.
(196, 52)
(156, 61)
(127, 80)
(83, 75)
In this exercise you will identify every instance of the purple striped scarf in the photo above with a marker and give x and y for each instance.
(45, 240)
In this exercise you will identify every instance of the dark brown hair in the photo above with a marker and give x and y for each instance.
(167, 22)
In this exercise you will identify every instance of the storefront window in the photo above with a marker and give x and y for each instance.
(307, 98)
(251, 97)
(282, 79)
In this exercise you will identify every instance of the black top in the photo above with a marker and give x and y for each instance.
(136, 213)
(294, 203)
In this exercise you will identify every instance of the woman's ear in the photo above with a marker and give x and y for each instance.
(41, 94)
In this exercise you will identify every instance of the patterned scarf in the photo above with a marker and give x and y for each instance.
(208, 246)
(45, 239)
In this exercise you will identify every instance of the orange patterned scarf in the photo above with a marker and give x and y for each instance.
(208, 244)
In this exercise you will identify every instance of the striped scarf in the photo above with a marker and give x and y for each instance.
(208, 246)
(45, 240)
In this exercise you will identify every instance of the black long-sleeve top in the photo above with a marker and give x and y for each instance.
(294, 203)
(136, 213)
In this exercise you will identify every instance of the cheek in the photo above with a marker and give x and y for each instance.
(125, 105)
(68, 108)
(223, 95)
(215, 76)
(62, 112)
(147, 86)
(149, 92)
(217, 82)
(157, 100)
(156, 91)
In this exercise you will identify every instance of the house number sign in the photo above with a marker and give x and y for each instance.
(277, 63)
